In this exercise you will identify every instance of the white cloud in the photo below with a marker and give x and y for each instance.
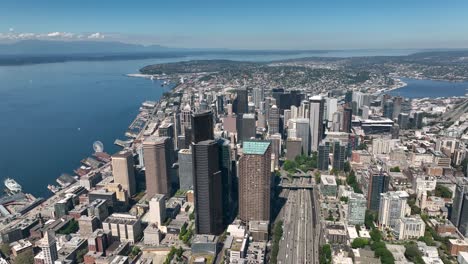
(11, 29)
(60, 35)
(96, 35)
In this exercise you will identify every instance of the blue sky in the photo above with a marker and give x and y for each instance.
(333, 24)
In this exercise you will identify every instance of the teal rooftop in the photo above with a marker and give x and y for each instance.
(255, 147)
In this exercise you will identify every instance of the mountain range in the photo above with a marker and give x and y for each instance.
(55, 47)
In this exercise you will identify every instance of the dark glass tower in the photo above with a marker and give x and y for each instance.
(202, 126)
(208, 188)
(378, 183)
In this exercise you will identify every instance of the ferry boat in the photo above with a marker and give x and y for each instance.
(12, 185)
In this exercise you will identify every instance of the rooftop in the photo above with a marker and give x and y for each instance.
(256, 147)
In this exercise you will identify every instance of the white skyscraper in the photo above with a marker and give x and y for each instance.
(157, 209)
(392, 208)
(332, 107)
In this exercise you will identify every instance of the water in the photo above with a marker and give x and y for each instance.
(428, 88)
(50, 114)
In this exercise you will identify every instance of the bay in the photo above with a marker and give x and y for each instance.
(417, 88)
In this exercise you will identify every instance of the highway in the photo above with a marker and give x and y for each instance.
(299, 243)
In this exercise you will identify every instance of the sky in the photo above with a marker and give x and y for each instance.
(243, 24)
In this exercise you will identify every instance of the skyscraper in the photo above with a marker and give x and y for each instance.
(301, 130)
(225, 166)
(459, 216)
(48, 246)
(185, 169)
(332, 107)
(158, 154)
(339, 155)
(397, 106)
(247, 129)
(378, 183)
(273, 120)
(207, 188)
(316, 122)
(185, 118)
(202, 126)
(392, 208)
(258, 96)
(357, 206)
(241, 102)
(418, 119)
(388, 109)
(403, 120)
(323, 156)
(123, 171)
(255, 181)
(347, 119)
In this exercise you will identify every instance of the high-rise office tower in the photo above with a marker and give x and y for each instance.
(418, 119)
(347, 119)
(202, 126)
(48, 246)
(316, 122)
(158, 153)
(247, 129)
(339, 155)
(357, 206)
(241, 102)
(332, 107)
(304, 109)
(273, 120)
(255, 181)
(459, 216)
(185, 169)
(403, 120)
(185, 118)
(365, 112)
(220, 104)
(336, 122)
(207, 188)
(392, 208)
(166, 130)
(397, 106)
(225, 166)
(301, 130)
(323, 156)
(258, 96)
(275, 149)
(378, 183)
(349, 96)
(124, 171)
(388, 109)
(287, 116)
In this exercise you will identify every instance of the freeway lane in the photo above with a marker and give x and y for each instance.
(299, 243)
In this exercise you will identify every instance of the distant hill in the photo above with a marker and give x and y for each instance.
(52, 47)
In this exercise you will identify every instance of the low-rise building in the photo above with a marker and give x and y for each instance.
(328, 185)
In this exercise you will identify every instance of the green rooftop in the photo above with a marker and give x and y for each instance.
(255, 147)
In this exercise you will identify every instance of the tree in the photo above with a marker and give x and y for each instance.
(375, 235)
(347, 167)
(344, 199)
(359, 242)
(369, 220)
(378, 244)
(325, 254)
(290, 166)
(442, 191)
(71, 227)
(395, 169)
(413, 254)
